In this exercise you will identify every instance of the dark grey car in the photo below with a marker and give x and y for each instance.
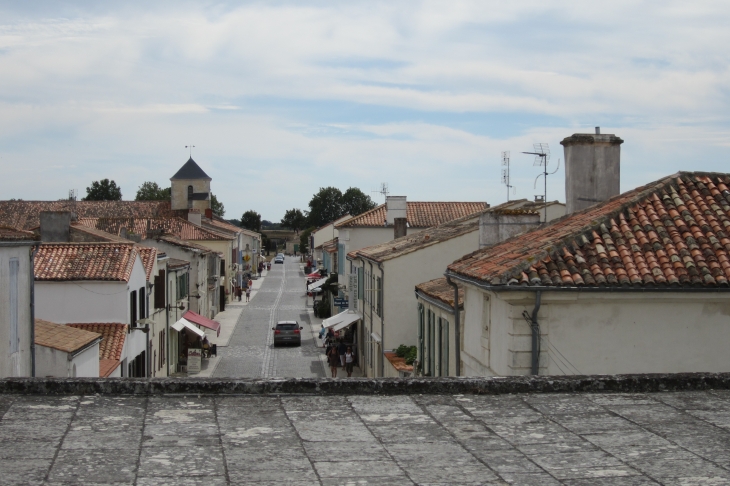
(287, 332)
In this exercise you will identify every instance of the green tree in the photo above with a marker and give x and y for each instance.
(251, 220)
(217, 206)
(150, 191)
(355, 202)
(304, 240)
(325, 206)
(103, 190)
(294, 219)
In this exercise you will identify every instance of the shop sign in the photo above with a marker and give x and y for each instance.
(194, 360)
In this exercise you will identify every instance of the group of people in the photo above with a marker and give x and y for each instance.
(339, 355)
(247, 286)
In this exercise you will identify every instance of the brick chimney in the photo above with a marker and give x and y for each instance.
(400, 227)
(56, 226)
(592, 169)
(209, 213)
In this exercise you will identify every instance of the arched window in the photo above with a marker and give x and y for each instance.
(190, 197)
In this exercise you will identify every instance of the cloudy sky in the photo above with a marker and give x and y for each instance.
(281, 98)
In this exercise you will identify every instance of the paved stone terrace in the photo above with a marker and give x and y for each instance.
(672, 438)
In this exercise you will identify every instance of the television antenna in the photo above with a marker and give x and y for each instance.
(191, 147)
(383, 190)
(542, 159)
(505, 174)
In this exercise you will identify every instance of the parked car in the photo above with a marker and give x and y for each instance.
(279, 259)
(288, 332)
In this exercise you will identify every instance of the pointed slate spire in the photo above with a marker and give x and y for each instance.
(190, 170)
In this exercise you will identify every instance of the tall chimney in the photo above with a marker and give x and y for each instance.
(592, 169)
(56, 226)
(395, 207)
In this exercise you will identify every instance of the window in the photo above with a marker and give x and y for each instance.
(378, 297)
(182, 286)
(132, 308)
(190, 197)
(160, 290)
(142, 303)
(14, 335)
(439, 356)
(360, 282)
(431, 344)
(341, 258)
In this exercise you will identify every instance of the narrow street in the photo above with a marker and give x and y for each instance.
(251, 353)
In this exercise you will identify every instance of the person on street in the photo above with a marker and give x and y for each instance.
(349, 361)
(248, 293)
(342, 349)
(332, 359)
(238, 293)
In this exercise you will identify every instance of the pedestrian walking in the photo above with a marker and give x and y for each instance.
(349, 361)
(342, 349)
(248, 293)
(238, 293)
(332, 359)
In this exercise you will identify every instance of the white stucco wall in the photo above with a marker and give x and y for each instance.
(606, 333)
(449, 317)
(88, 301)
(18, 363)
(55, 363)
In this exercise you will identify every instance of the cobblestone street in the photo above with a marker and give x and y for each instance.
(251, 353)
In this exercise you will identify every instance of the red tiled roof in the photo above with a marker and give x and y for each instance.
(173, 225)
(62, 337)
(11, 234)
(670, 233)
(107, 367)
(113, 336)
(440, 289)
(149, 256)
(174, 240)
(97, 234)
(414, 242)
(418, 214)
(85, 261)
(26, 214)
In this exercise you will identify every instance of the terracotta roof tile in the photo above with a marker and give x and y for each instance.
(440, 289)
(62, 337)
(174, 240)
(26, 214)
(173, 225)
(12, 234)
(113, 337)
(418, 214)
(670, 233)
(107, 367)
(414, 242)
(149, 257)
(85, 261)
(398, 362)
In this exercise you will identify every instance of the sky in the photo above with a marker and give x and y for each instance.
(281, 98)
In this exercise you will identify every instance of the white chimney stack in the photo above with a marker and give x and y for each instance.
(395, 207)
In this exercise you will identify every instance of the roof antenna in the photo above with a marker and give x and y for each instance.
(542, 158)
(383, 189)
(191, 147)
(505, 174)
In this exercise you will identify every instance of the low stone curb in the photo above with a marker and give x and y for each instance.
(639, 383)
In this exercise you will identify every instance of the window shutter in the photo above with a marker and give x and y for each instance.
(223, 268)
(160, 290)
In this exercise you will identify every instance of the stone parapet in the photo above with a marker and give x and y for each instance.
(638, 383)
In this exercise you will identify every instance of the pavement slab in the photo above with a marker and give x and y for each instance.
(545, 439)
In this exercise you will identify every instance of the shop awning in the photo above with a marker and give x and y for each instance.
(341, 320)
(348, 321)
(203, 321)
(184, 323)
(317, 284)
(314, 275)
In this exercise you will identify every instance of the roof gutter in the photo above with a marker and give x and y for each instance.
(457, 325)
(434, 302)
(73, 354)
(610, 289)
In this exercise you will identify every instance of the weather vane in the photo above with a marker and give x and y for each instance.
(191, 147)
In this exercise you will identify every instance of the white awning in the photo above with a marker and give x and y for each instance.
(347, 321)
(184, 323)
(341, 317)
(376, 337)
(317, 284)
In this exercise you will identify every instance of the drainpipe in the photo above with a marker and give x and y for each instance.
(457, 326)
(36, 246)
(371, 305)
(535, 325)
